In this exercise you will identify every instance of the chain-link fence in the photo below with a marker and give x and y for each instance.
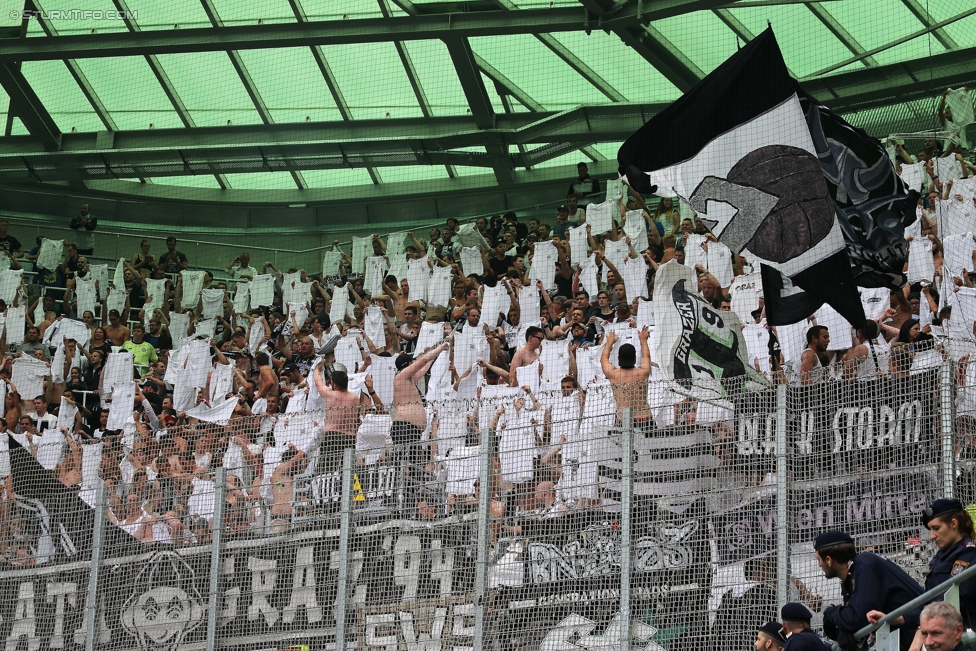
(539, 519)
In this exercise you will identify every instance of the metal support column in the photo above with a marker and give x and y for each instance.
(484, 538)
(947, 422)
(91, 610)
(345, 525)
(220, 503)
(782, 498)
(626, 507)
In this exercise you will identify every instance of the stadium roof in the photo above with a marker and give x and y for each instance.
(285, 101)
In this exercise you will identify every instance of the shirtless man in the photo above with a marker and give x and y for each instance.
(903, 309)
(409, 416)
(117, 333)
(527, 354)
(400, 298)
(342, 414)
(283, 488)
(267, 380)
(627, 379)
(818, 339)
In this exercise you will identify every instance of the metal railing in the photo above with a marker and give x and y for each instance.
(45, 228)
(643, 542)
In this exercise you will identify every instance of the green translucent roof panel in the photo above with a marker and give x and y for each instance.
(551, 82)
(333, 9)
(963, 31)
(806, 42)
(336, 178)
(246, 12)
(202, 181)
(262, 180)
(702, 37)
(435, 71)
(372, 91)
(622, 67)
(210, 88)
(413, 173)
(153, 14)
(61, 96)
(291, 85)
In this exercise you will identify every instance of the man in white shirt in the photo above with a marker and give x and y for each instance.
(241, 267)
(41, 418)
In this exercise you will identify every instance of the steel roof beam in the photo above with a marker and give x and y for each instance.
(733, 23)
(288, 132)
(28, 107)
(895, 82)
(653, 46)
(501, 81)
(898, 41)
(571, 60)
(510, 88)
(480, 104)
(331, 32)
(75, 69)
(398, 142)
(464, 186)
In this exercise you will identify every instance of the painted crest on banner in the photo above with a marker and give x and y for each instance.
(164, 606)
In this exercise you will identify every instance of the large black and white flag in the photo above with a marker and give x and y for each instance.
(737, 148)
(698, 347)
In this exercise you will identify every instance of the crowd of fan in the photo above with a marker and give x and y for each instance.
(151, 380)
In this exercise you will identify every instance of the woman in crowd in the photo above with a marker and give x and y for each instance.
(143, 261)
(667, 216)
(99, 343)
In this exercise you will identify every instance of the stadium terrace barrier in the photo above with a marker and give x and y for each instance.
(540, 522)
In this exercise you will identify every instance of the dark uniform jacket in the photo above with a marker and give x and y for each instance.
(873, 583)
(806, 640)
(946, 564)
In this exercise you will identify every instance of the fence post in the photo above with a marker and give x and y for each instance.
(947, 421)
(345, 519)
(626, 507)
(484, 538)
(782, 499)
(216, 542)
(887, 639)
(91, 611)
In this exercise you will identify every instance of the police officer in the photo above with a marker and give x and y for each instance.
(799, 635)
(868, 582)
(951, 527)
(770, 637)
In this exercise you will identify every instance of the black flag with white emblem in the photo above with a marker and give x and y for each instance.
(737, 148)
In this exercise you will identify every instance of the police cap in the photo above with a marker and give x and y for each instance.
(830, 538)
(940, 507)
(775, 631)
(795, 612)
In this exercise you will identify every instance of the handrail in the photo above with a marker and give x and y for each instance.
(920, 600)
